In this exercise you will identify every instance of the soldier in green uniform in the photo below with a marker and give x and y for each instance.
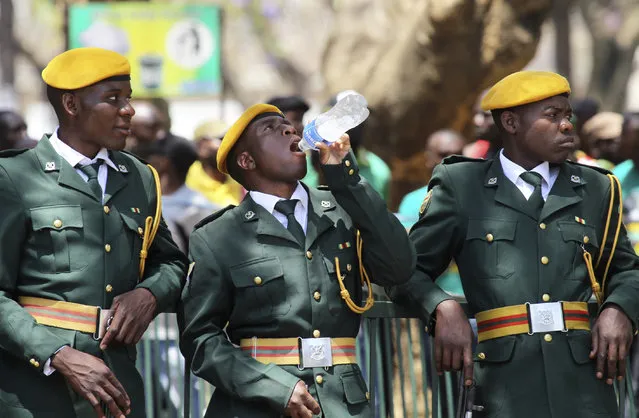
(524, 228)
(271, 271)
(79, 278)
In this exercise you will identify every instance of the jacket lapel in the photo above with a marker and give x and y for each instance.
(563, 192)
(266, 224)
(51, 162)
(116, 179)
(506, 192)
(320, 214)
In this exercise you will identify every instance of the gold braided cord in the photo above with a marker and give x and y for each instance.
(598, 290)
(364, 280)
(151, 224)
(613, 181)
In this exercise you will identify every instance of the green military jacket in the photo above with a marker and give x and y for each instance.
(523, 375)
(71, 263)
(296, 295)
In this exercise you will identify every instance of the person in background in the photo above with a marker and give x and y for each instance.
(182, 207)
(628, 174)
(145, 128)
(439, 145)
(13, 132)
(203, 176)
(601, 136)
(488, 141)
(372, 168)
(294, 108)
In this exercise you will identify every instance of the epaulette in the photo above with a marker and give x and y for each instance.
(461, 159)
(212, 217)
(132, 155)
(12, 152)
(592, 167)
(323, 187)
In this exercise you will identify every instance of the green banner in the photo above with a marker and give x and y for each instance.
(174, 50)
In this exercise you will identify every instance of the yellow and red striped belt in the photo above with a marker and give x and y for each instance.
(295, 351)
(67, 315)
(532, 318)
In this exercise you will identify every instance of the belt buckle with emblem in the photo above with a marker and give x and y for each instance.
(315, 352)
(546, 317)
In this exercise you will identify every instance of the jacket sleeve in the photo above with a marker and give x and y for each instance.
(20, 334)
(387, 252)
(207, 302)
(165, 268)
(438, 235)
(622, 286)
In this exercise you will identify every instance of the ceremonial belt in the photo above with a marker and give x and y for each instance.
(301, 352)
(68, 315)
(532, 318)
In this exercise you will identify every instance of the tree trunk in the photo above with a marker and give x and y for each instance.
(7, 46)
(561, 23)
(422, 65)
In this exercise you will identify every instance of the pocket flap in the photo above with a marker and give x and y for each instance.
(580, 343)
(346, 262)
(56, 217)
(491, 229)
(499, 350)
(354, 388)
(574, 231)
(256, 272)
(134, 223)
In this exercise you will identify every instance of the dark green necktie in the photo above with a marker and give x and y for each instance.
(91, 172)
(287, 208)
(535, 200)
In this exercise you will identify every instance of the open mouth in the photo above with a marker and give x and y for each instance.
(294, 147)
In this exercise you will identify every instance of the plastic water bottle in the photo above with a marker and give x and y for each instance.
(347, 113)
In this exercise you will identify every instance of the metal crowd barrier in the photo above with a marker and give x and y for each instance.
(394, 353)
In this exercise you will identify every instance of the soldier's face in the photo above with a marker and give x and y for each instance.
(274, 150)
(544, 131)
(104, 114)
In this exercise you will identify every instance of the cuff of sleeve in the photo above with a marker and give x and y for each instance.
(48, 370)
(340, 176)
(287, 384)
(161, 292)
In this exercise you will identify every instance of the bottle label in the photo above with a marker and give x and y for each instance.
(311, 136)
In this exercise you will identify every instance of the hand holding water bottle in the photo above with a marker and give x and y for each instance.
(328, 127)
(334, 152)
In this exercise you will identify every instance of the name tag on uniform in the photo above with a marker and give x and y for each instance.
(546, 317)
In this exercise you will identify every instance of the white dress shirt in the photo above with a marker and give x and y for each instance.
(74, 158)
(513, 172)
(268, 201)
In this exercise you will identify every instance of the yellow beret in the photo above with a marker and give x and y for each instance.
(81, 67)
(604, 125)
(236, 130)
(524, 87)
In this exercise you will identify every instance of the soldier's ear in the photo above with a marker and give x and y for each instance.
(70, 104)
(509, 121)
(245, 161)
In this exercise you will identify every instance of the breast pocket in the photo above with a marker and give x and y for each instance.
(349, 272)
(58, 234)
(489, 248)
(133, 234)
(261, 288)
(578, 237)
